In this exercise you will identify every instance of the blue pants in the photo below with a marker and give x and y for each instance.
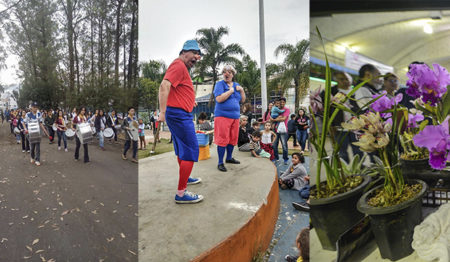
(181, 125)
(283, 137)
(304, 192)
(62, 134)
(302, 135)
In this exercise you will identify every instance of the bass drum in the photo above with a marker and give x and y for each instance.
(70, 134)
(108, 133)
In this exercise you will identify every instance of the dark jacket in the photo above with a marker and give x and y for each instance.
(292, 127)
(97, 123)
(109, 121)
(243, 137)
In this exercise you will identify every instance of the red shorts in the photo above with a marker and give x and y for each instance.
(226, 131)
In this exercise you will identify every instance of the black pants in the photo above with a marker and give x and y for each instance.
(51, 132)
(25, 142)
(115, 133)
(294, 135)
(36, 151)
(77, 150)
(127, 146)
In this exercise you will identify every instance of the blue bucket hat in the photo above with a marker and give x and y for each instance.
(191, 45)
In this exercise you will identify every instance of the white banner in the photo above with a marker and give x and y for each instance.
(355, 61)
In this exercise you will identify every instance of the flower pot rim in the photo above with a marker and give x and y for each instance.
(338, 197)
(365, 208)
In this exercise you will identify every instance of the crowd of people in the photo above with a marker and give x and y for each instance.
(27, 126)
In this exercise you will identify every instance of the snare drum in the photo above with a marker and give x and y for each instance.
(108, 133)
(16, 131)
(84, 133)
(54, 127)
(34, 132)
(70, 134)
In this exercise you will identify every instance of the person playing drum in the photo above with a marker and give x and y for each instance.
(112, 122)
(61, 129)
(35, 116)
(128, 125)
(80, 118)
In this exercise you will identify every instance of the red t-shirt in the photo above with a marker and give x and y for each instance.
(181, 93)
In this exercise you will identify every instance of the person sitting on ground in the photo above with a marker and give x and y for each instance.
(255, 127)
(204, 125)
(295, 177)
(302, 242)
(267, 137)
(255, 147)
(244, 135)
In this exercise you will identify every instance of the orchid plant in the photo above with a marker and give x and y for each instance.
(337, 180)
(430, 88)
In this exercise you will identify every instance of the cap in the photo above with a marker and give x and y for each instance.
(191, 45)
(34, 104)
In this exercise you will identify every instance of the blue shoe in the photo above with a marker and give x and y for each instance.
(188, 198)
(286, 162)
(193, 181)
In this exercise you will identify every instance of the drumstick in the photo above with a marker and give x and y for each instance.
(156, 138)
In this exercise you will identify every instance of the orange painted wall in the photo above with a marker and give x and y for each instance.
(253, 237)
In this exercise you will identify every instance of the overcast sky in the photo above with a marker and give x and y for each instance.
(165, 25)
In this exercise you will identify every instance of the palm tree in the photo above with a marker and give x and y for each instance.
(215, 52)
(295, 67)
(249, 75)
(154, 70)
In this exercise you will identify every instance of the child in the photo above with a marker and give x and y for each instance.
(276, 111)
(255, 127)
(266, 140)
(295, 177)
(204, 125)
(141, 132)
(255, 147)
(302, 242)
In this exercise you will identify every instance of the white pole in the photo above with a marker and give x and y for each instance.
(262, 50)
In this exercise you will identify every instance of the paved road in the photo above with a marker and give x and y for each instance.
(66, 210)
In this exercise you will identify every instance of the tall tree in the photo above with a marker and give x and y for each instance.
(294, 66)
(249, 76)
(215, 52)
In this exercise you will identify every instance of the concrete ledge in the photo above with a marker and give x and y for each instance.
(235, 221)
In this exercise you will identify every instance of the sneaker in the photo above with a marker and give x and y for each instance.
(66, 150)
(289, 258)
(301, 206)
(134, 160)
(193, 181)
(23, 151)
(188, 198)
(28, 151)
(59, 148)
(124, 157)
(32, 161)
(38, 163)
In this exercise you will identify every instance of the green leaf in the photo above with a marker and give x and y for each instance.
(446, 104)
(423, 124)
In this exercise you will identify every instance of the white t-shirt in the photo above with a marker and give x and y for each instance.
(266, 138)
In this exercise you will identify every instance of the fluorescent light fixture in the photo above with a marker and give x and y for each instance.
(427, 29)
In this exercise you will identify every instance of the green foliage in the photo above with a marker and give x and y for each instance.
(249, 75)
(355, 167)
(148, 93)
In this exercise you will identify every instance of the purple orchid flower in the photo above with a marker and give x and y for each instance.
(426, 83)
(437, 140)
(413, 119)
(384, 103)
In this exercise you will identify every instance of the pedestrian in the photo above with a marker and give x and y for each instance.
(79, 119)
(247, 111)
(24, 138)
(282, 135)
(112, 122)
(292, 129)
(61, 129)
(131, 126)
(142, 134)
(228, 95)
(302, 122)
(35, 117)
(177, 100)
(49, 121)
(100, 125)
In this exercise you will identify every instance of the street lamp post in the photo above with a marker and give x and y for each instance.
(262, 49)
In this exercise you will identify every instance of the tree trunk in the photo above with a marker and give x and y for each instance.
(132, 64)
(117, 43)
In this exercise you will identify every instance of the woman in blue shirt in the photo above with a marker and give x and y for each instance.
(228, 96)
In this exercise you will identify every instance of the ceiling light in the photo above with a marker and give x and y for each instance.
(427, 29)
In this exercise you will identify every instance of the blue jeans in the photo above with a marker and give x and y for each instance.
(304, 192)
(101, 138)
(302, 135)
(62, 134)
(284, 138)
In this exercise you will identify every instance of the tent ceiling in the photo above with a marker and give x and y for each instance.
(392, 38)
